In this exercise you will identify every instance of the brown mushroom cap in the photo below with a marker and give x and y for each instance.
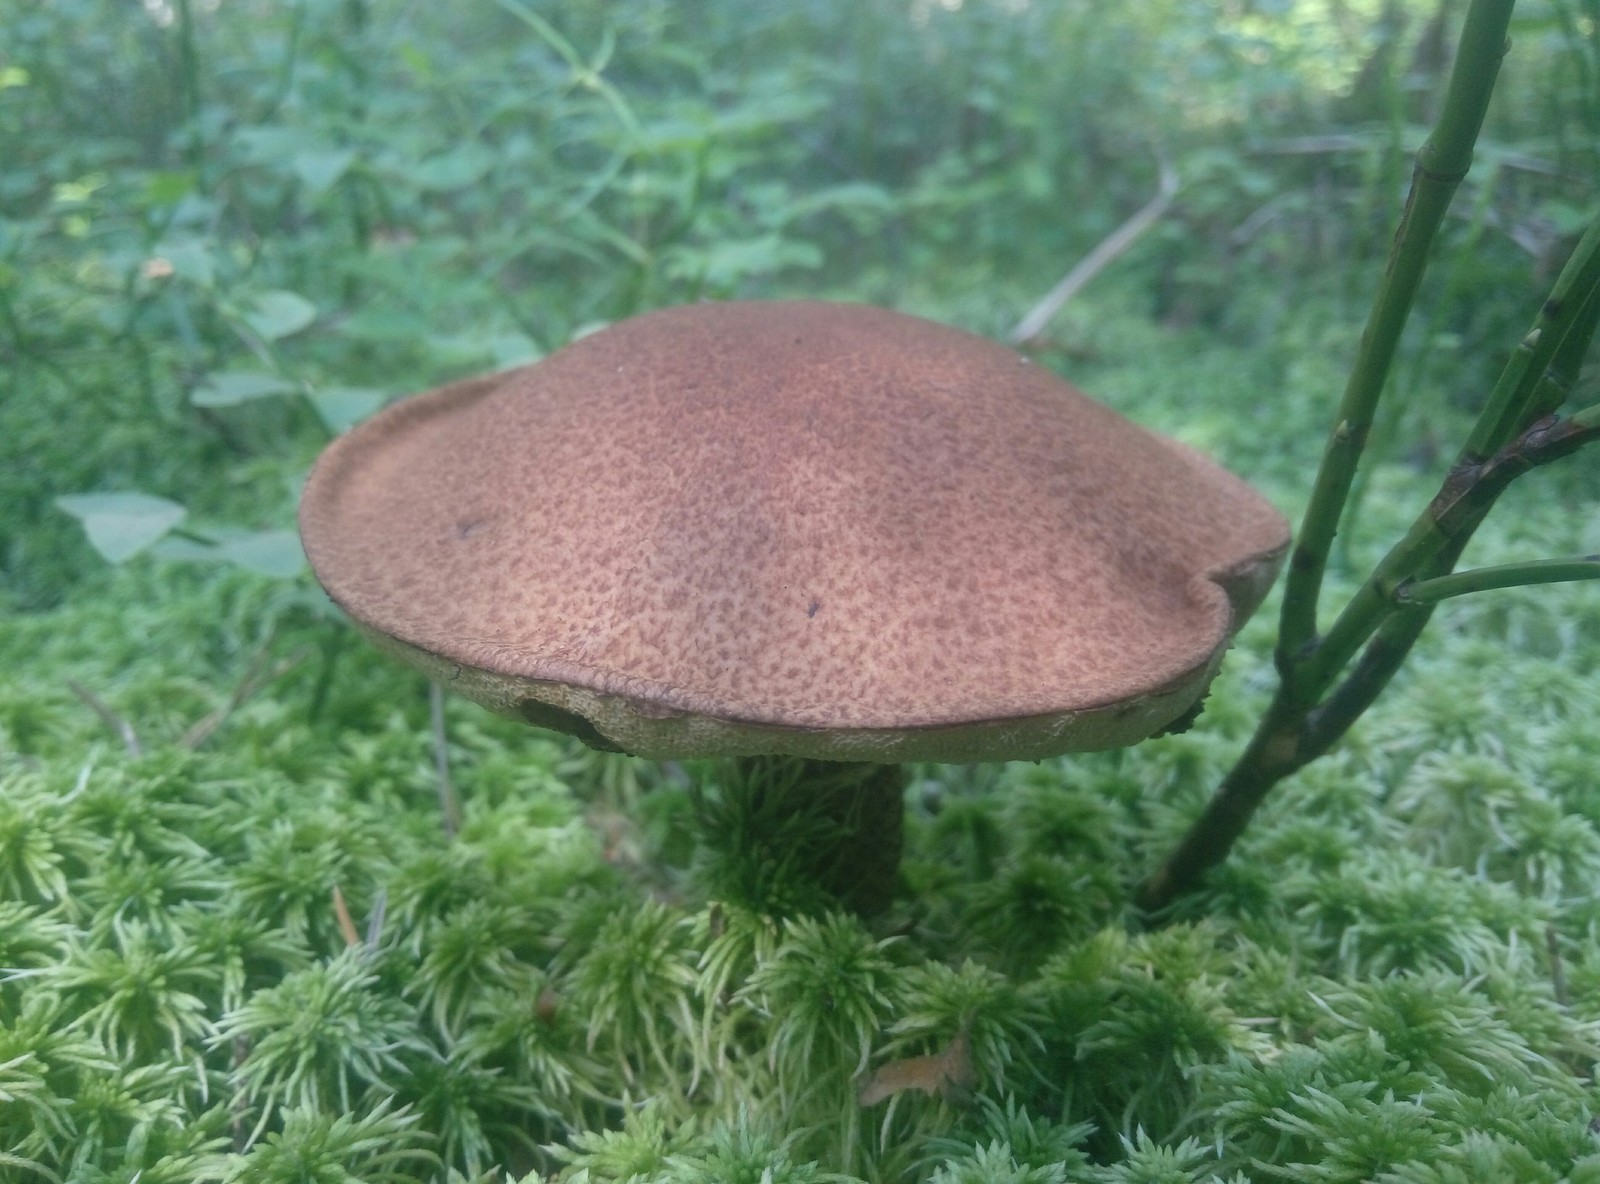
(812, 529)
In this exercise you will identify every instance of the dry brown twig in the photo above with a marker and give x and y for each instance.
(1092, 264)
(255, 677)
(117, 723)
(449, 808)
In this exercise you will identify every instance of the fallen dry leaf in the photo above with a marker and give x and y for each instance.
(941, 1074)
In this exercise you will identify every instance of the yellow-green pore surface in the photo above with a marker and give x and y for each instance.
(818, 529)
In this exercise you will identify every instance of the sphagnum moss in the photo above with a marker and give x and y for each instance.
(1295, 1038)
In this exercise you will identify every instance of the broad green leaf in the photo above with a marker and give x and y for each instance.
(120, 525)
(271, 146)
(664, 137)
(765, 113)
(319, 169)
(190, 260)
(853, 195)
(513, 349)
(383, 324)
(278, 314)
(418, 62)
(502, 350)
(342, 407)
(273, 553)
(163, 189)
(724, 264)
(1566, 218)
(177, 548)
(230, 387)
(453, 170)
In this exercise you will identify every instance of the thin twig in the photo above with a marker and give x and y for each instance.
(119, 725)
(449, 810)
(1114, 244)
(255, 677)
(380, 906)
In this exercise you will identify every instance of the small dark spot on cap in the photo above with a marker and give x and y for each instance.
(811, 609)
(467, 528)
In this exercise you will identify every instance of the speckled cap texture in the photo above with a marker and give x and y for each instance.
(823, 530)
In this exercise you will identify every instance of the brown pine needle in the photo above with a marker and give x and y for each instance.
(1092, 264)
(341, 912)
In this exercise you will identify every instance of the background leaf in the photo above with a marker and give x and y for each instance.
(319, 169)
(342, 407)
(231, 387)
(275, 553)
(191, 260)
(120, 525)
(279, 314)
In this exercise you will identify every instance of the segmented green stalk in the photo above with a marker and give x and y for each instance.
(1329, 680)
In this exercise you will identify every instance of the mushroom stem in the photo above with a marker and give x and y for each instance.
(867, 803)
(786, 834)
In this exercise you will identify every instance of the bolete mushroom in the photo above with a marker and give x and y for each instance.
(811, 531)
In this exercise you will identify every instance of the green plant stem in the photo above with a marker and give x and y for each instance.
(1287, 739)
(1308, 664)
(1441, 164)
(585, 75)
(1471, 487)
(1555, 386)
(291, 57)
(1505, 575)
(1291, 734)
(1572, 303)
(189, 79)
(1321, 693)
(331, 646)
(1389, 647)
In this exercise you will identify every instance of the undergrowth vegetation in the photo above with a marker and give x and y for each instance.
(237, 942)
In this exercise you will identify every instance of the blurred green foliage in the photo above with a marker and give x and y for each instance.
(226, 228)
(230, 228)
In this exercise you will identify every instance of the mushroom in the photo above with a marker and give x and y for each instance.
(794, 531)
